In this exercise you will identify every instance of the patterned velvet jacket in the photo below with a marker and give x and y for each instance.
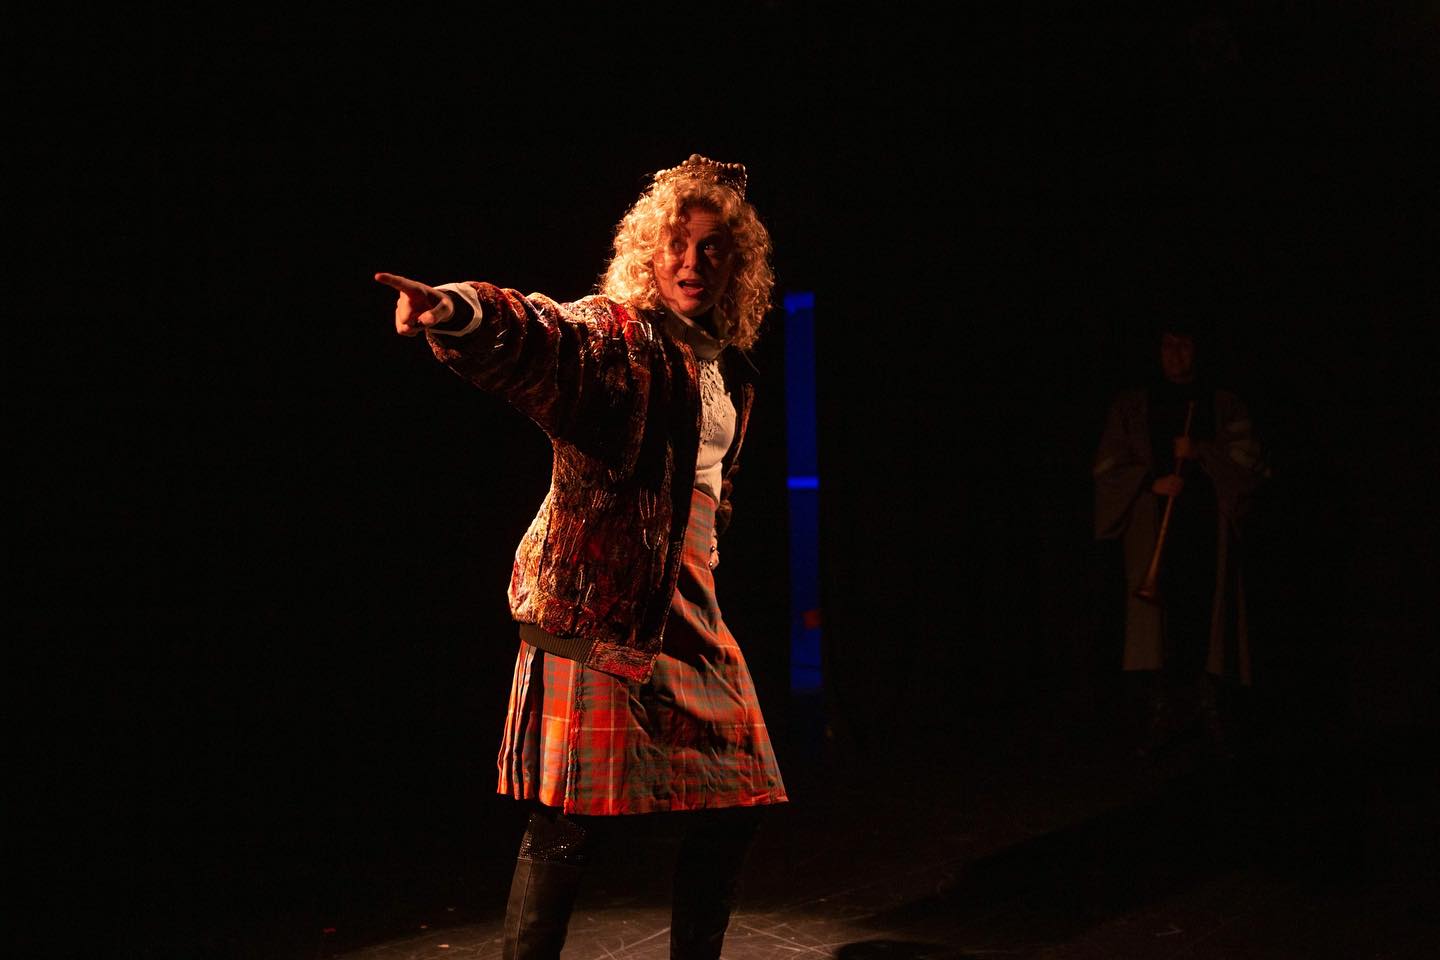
(620, 401)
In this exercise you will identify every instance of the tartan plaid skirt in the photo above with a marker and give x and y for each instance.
(689, 738)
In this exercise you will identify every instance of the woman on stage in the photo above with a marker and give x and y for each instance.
(629, 696)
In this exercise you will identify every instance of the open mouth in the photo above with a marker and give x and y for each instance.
(693, 287)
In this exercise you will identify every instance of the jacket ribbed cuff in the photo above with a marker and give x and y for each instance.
(571, 648)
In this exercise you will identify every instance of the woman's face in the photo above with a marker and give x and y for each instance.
(692, 269)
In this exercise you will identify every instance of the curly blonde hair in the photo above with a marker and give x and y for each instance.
(630, 277)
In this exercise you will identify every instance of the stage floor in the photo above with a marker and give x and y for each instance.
(1034, 833)
(1033, 840)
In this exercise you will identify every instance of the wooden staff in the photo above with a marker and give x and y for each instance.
(1150, 588)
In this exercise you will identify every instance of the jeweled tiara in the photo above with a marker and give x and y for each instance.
(731, 175)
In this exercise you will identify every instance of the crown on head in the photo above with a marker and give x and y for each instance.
(731, 175)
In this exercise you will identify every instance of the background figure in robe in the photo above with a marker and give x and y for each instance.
(1190, 643)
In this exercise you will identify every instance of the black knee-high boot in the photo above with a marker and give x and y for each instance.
(707, 876)
(542, 892)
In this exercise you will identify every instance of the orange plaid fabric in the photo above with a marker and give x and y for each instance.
(690, 738)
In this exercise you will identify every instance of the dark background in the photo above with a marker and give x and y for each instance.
(259, 543)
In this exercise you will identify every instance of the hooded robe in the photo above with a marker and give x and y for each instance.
(1126, 465)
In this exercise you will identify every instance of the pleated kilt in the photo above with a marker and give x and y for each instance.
(690, 738)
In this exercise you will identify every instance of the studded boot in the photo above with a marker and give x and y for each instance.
(542, 892)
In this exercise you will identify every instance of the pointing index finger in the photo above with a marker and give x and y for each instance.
(403, 284)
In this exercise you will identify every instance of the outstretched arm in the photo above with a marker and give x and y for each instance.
(548, 360)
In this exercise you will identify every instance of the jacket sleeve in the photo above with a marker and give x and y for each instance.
(1120, 475)
(535, 353)
(725, 510)
(1234, 460)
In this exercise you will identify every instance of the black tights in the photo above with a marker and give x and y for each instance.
(557, 846)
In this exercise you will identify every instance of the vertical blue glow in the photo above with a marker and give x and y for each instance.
(804, 492)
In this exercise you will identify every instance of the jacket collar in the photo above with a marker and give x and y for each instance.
(704, 345)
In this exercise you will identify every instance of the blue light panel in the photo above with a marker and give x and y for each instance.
(804, 487)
